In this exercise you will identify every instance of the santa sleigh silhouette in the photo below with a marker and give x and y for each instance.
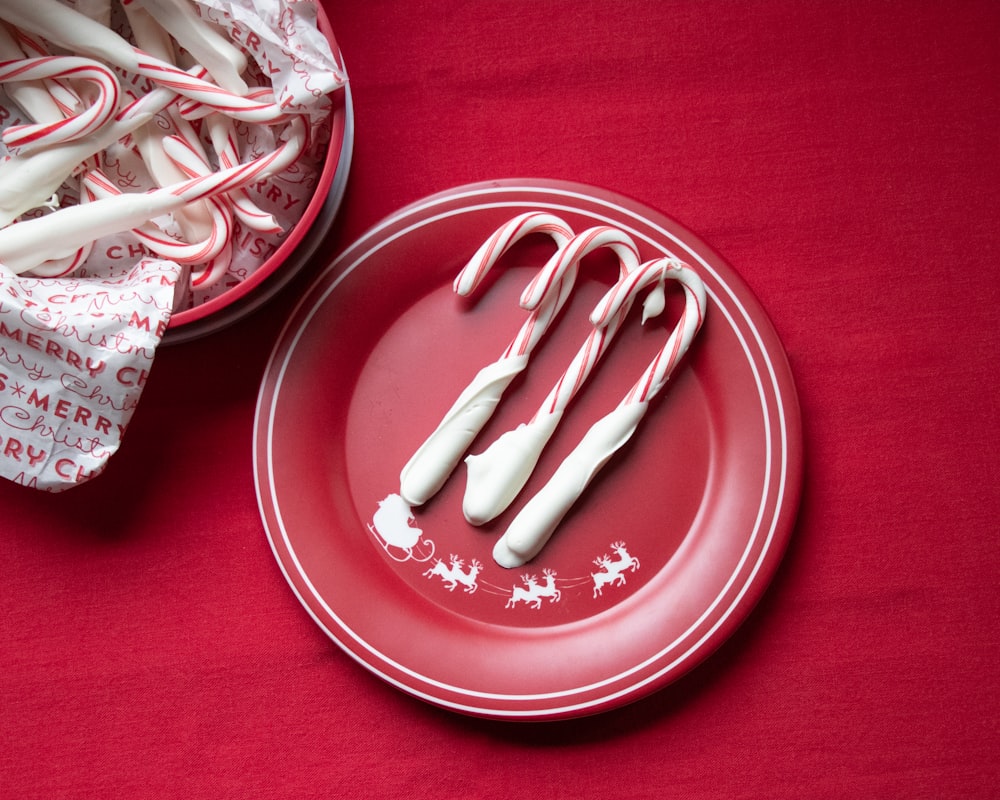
(391, 528)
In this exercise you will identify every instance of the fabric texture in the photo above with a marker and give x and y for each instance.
(844, 158)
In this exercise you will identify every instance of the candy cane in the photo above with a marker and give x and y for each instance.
(28, 182)
(217, 54)
(215, 270)
(497, 475)
(223, 137)
(429, 467)
(30, 242)
(33, 97)
(98, 186)
(187, 154)
(66, 100)
(94, 116)
(73, 31)
(536, 522)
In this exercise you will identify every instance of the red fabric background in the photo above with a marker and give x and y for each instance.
(843, 157)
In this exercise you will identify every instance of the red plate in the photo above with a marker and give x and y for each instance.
(664, 555)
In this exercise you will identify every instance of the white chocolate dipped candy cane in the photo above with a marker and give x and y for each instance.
(535, 523)
(497, 475)
(429, 467)
(32, 242)
(66, 27)
(196, 222)
(60, 267)
(97, 186)
(27, 182)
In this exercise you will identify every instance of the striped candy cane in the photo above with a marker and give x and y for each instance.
(98, 186)
(32, 242)
(66, 27)
(91, 118)
(429, 467)
(28, 182)
(536, 522)
(33, 97)
(497, 475)
(223, 137)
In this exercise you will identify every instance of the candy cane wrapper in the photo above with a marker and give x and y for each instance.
(284, 40)
(75, 354)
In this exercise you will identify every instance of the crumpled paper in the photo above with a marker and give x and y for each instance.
(74, 358)
(285, 41)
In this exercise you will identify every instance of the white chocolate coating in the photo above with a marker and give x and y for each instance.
(538, 520)
(224, 62)
(428, 469)
(68, 28)
(31, 96)
(497, 475)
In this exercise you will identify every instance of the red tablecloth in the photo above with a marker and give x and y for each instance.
(845, 159)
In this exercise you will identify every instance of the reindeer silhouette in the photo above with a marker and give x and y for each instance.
(454, 574)
(625, 561)
(534, 593)
(607, 575)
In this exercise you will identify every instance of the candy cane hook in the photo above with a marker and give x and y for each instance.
(432, 463)
(64, 26)
(90, 119)
(536, 522)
